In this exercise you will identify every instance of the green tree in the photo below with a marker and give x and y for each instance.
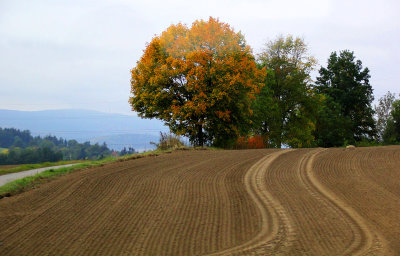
(18, 142)
(391, 135)
(47, 144)
(346, 83)
(383, 113)
(198, 80)
(332, 126)
(283, 111)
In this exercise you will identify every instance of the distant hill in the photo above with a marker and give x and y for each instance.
(140, 142)
(87, 125)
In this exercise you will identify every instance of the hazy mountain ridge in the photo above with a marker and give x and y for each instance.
(139, 142)
(116, 130)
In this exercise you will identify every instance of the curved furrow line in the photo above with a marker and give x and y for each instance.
(272, 214)
(235, 172)
(30, 217)
(367, 240)
(206, 186)
(37, 218)
(185, 178)
(179, 199)
(51, 228)
(376, 195)
(156, 183)
(96, 212)
(358, 236)
(381, 174)
(131, 210)
(63, 207)
(44, 199)
(139, 213)
(191, 188)
(150, 206)
(225, 232)
(304, 166)
(314, 225)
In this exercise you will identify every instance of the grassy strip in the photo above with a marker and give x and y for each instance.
(25, 183)
(25, 167)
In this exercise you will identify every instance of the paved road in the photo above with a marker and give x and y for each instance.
(18, 175)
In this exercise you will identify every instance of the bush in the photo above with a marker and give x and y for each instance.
(252, 142)
(367, 143)
(169, 141)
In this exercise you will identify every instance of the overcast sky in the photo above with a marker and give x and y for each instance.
(78, 54)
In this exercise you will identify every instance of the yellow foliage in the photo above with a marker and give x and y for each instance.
(194, 75)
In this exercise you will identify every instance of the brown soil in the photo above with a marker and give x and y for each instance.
(256, 202)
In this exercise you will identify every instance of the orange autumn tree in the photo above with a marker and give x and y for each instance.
(199, 80)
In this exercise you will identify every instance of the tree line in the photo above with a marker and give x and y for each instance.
(22, 147)
(205, 83)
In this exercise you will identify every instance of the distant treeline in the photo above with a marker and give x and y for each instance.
(22, 147)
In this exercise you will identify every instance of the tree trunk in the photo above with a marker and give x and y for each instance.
(280, 135)
(279, 143)
(200, 135)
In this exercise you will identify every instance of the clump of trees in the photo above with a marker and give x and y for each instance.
(128, 151)
(29, 155)
(205, 83)
(24, 148)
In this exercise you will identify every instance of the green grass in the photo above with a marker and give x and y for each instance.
(25, 167)
(31, 181)
(26, 183)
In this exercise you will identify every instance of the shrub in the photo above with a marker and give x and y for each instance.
(169, 141)
(252, 142)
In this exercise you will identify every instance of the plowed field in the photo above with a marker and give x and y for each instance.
(244, 202)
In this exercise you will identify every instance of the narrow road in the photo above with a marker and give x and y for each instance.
(18, 175)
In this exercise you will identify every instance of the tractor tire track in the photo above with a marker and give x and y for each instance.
(273, 216)
(366, 240)
(366, 181)
(311, 232)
